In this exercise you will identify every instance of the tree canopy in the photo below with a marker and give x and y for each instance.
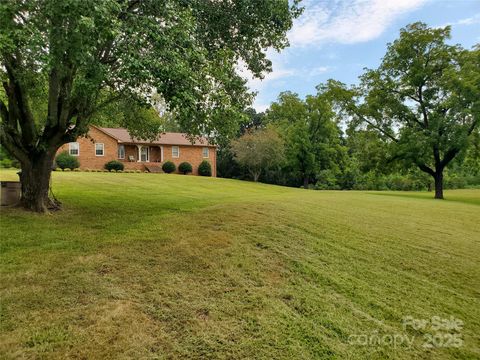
(424, 97)
(75, 57)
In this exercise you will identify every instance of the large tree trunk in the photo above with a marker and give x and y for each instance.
(437, 175)
(35, 179)
(438, 184)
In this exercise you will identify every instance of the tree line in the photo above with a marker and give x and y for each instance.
(410, 124)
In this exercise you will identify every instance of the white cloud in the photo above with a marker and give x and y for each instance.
(347, 21)
(260, 107)
(279, 71)
(333, 21)
(318, 70)
(475, 19)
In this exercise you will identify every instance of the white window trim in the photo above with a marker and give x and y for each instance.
(208, 152)
(70, 149)
(178, 153)
(118, 151)
(140, 148)
(103, 149)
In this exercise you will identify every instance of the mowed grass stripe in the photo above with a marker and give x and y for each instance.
(170, 266)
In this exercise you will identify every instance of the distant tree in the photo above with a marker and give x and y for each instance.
(227, 167)
(6, 160)
(259, 150)
(311, 134)
(370, 150)
(289, 114)
(472, 157)
(424, 99)
(253, 121)
(76, 57)
(300, 152)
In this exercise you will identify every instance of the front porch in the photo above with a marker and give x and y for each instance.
(136, 157)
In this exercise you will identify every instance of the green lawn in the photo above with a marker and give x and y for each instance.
(148, 266)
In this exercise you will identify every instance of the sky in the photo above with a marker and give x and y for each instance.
(339, 38)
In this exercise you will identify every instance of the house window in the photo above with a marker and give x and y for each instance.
(121, 151)
(144, 153)
(74, 148)
(99, 149)
(175, 151)
(205, 152)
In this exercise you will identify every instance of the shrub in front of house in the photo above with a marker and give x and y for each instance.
(185, 168)
(205, 169)
(66, 161)
(168, 167)
(114, 165)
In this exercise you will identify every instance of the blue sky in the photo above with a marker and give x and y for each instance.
(338, 38)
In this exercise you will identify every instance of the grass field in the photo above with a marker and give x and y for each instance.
(148, 266)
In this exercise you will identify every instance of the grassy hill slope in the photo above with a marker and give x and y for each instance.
(170, 266)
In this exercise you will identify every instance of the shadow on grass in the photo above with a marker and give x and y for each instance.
(471, 197)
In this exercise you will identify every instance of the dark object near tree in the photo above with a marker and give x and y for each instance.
(66, 161)
(114, 165)
(168, 167)
(185, 168)
(205, 169)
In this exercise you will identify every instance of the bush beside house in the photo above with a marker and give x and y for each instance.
(168, 167)
(185, 168)
(205, 169)
(114, 165)
(66, 161)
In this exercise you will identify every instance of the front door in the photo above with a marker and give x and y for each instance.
(145, 154)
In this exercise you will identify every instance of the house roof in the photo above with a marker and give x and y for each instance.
(166, 138)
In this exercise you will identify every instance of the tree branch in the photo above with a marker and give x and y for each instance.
(391, 137)
(449, 155)
(422, 106)
(11, 143)
(53, 90)
(18, 102)
(425, 168)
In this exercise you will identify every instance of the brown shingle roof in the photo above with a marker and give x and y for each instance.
(166, 138)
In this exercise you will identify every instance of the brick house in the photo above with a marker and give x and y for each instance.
(102, 145)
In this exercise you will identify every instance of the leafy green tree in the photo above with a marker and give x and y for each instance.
(369, 149)
(300, 152)
(253, 121)
(424, 99)
(471, 163)
(289, 114)
(76, 57)
(311, 134)
(259, 150)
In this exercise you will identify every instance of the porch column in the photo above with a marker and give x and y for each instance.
(139, 147)
(161, 153)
